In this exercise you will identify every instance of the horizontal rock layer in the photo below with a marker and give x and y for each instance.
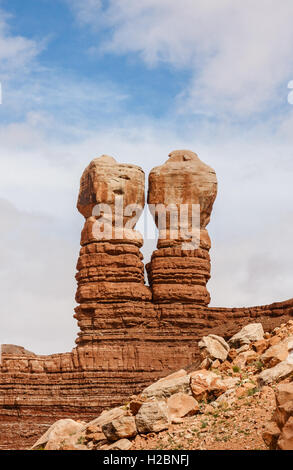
(177, 275)
(130, 334)
(134, 344)
(181, 195)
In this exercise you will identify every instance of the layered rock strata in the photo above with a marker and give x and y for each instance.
(126, 340)
(181, 196)
(110, 267)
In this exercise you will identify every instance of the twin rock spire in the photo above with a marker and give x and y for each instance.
(110, 267)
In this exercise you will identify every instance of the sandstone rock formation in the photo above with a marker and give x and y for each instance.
(126, 339)
(15, 350)
(180, 267)
(222, 392)
(110, 267)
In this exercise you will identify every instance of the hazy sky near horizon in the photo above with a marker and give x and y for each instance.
(136, 80)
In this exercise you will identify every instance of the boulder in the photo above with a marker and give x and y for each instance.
(274, 340)
(248, 334)
(279, 433)
(57, 434)
(175, 375)
(284, 401)
(106, 417)
(277, 353)
(167, 387)
(243, 348)
(244, 358)
(120, 428)
(285, 441)
(275, 374)
(260, 346)
(181, 405)
(245, 389)
(96, 437)
(271, 435)
(206, 363)
(152, 417)
(214, 347)
(122, 444)
(206, 385)
(135, 405)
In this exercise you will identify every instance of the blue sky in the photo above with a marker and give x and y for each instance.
(71, 50)
(136, 80)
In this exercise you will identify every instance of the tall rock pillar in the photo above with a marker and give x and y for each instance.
(179, 270)
(110, 267)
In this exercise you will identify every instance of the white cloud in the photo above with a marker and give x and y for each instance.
(253, 268)
(37, 281)
(16, 52)
(41, 174)
(38, 90)
(46, 146)
(61, 97)
(87, 11)
(240, 53)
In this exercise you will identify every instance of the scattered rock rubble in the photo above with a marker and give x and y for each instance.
(228, 402)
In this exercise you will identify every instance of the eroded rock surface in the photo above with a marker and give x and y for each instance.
(126, 340)
(175, 273)
(231, 411)
(110, 267)
(279, 432)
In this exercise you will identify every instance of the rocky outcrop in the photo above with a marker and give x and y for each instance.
(182, 396)
(110, 267)
(279, 432)
(15, 350)
(130, 334)
(180, 267)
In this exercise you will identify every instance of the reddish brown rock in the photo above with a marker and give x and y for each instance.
(277, 353)
(279, 433)
(205, 384)
(126, 341)
(120, 428)
(181, 405)
(104, 179)
(110, 267)
(15, 350)
(271, 435)
(178, 272)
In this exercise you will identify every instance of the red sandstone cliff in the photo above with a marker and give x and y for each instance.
(130, 334)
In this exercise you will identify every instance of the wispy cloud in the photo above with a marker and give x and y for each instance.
(54, 122)
(37, 306)
(16, 52)
(240, 52)
(87, 12)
